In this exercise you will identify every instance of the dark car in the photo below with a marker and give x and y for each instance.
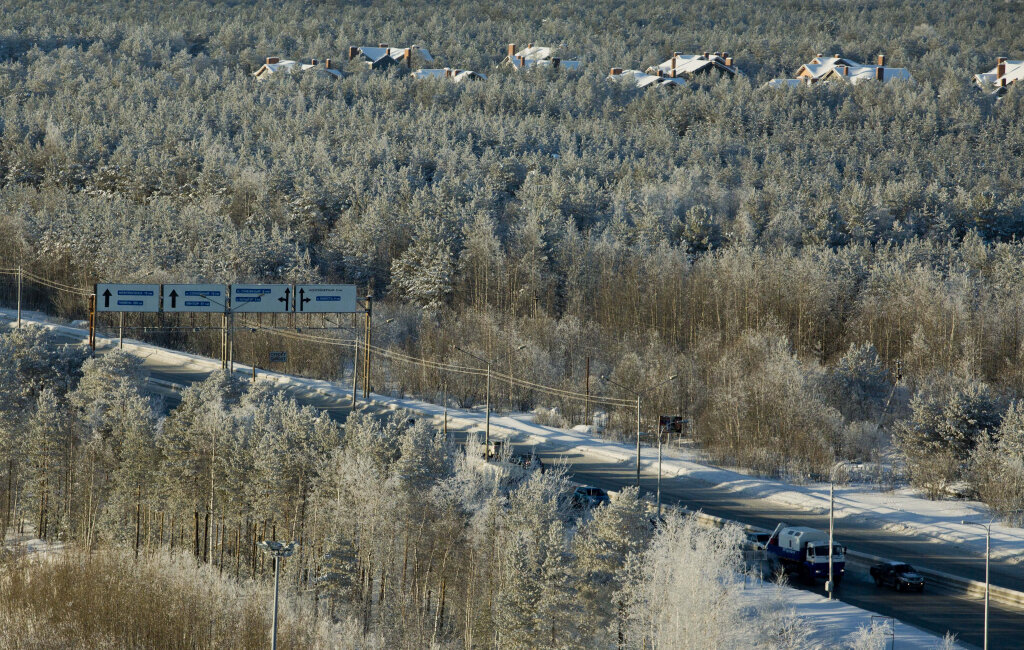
(898, 575)
(586, 497)
(527, 461)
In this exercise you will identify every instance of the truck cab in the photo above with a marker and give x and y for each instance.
(803, 550)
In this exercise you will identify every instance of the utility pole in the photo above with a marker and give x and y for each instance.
(487, 406)
(20, 274)
(638, 442)
(366, 354)
(355, 370)
(586, 408)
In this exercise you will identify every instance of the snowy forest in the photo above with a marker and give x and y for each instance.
(782, 251)
(833, 272)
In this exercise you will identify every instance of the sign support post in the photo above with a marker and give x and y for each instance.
(120, 332)
(92, 321)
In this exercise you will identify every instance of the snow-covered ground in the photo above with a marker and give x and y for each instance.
(833, 624)
(901, 510)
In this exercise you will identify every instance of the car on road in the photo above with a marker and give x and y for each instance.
(898, 575)
(527, 461)
(586, 497)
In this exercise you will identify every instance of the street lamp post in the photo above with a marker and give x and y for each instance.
(988, 546)
(831, 585)
(638, 395)
(278, 550)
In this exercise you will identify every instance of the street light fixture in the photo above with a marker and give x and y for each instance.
(277, 550)
(638, 395)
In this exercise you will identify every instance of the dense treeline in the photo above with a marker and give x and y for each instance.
(405, 541)
(780, 251)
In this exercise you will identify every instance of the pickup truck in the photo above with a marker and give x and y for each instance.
(898, 575)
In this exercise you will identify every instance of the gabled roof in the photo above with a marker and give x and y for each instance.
(685, 65)
(861, 73)
(538, 56)
(837, 68)
(452, 74)
(1012, 72)
(645, 80)
(383, 56)
(275, 65)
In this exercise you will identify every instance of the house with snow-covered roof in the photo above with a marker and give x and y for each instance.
(538, 56)
(840, 69)
(645, 79)
(384, 56)
(691, 65)
(451, 74)
(274, 65)
(1005, 74)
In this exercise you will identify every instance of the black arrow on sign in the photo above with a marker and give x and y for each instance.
(174, 298)
(106, 298)
(287, 292)
(302, 299)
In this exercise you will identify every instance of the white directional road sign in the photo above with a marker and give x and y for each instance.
(195, 298)
(128, 297)
(325, 298)
(261, 298)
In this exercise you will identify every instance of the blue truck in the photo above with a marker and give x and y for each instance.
(803, 551)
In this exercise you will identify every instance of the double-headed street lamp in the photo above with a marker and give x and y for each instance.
(487, 406)
(278, 550)
(638, 394)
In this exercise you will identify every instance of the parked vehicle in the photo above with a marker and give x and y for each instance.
(804, 551)
(586, 497)
(898, 575)
(492, 450)
(757, 541)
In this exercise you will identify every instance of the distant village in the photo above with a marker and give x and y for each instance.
(678, 70)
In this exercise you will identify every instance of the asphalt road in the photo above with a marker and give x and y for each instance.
(934, 611)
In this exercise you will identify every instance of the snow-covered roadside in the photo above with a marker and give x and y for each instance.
(833, 623)
(899, 510)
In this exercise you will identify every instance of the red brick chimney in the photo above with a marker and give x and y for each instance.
(352, 52)
(616, 72)
(273, 59)
(728, 61)
(881, 60)
(384, 45)
(673, 67)
(314, 62)
(880, 73)
(706, 55)
(407, 57)
(327, 64)
(846, 71)
(511, 50)
(1000, 66)
(522, 61)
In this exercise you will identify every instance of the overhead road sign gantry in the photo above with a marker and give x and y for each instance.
(212, 298)
(261, 298)
(325, 298)
(128, 297)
